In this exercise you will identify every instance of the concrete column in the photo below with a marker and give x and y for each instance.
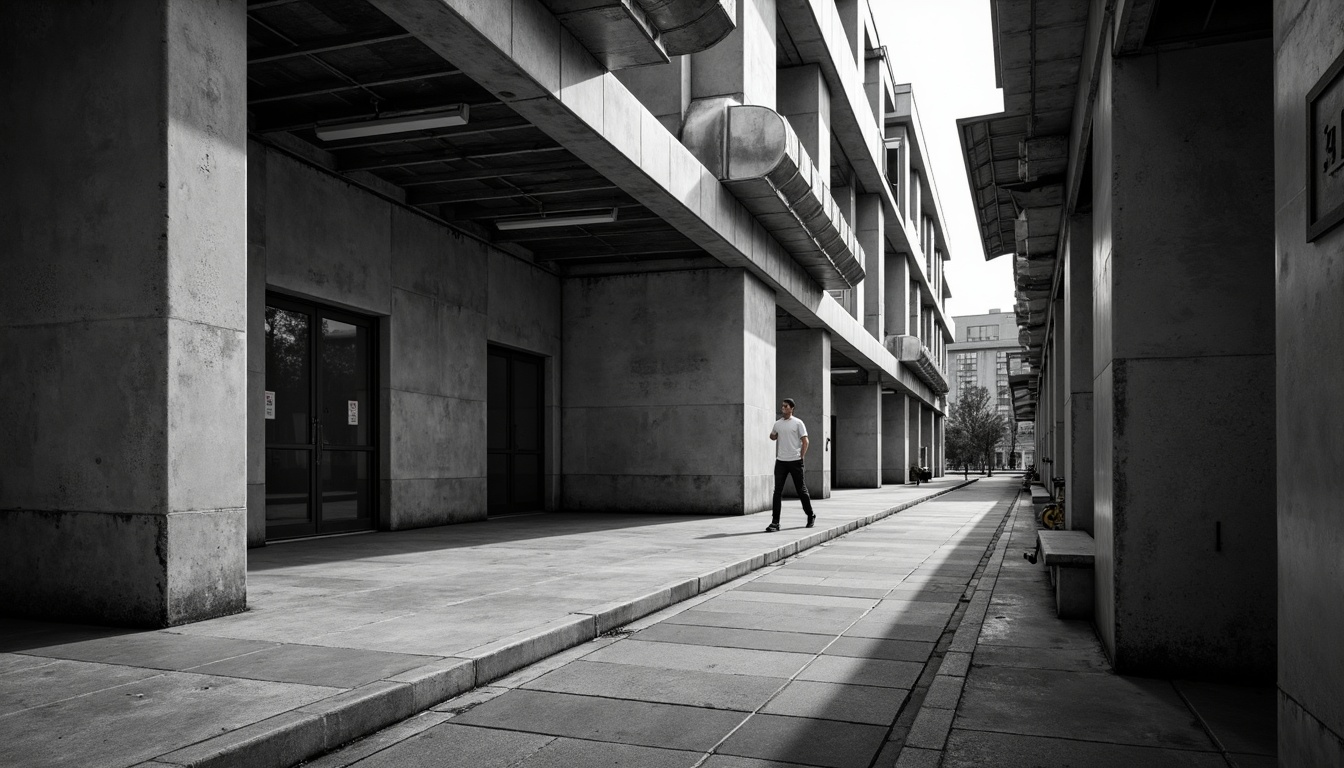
(915, 212)
(913, 434)
(1077, 317)
(871, 236)
(803, 372)
(938, 460)
(1184, 375)
(805, 100)
(742, 63)
(653, 363)
(926, 436)
(123, 223)
(1059, 391)
(895, 438)
(1310, 410)
(916, 326)
(900, 174)
(896, 276)
(858, 439)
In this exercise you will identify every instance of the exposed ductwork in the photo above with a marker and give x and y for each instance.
(758, 157)
(633, 33)
(909, 350)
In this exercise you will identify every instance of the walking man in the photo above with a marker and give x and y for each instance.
(790, 436)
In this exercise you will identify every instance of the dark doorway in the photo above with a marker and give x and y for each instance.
(831, 445)
(515, 432)
(319, 414)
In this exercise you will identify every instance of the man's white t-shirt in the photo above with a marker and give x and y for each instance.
(789, 444)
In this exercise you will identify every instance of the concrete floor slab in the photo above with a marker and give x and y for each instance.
(880, 648)
(914, 612)
(40, 685)
(15, 662)
(1087, 659)
(809, 742)
(884, 627)
(974, 749)
(130, 723)
(813, 589)
(857, 671)
(711, 690)
(1079, 705)
(733, 761)
(702, 658)
(1035, 631)
(568, 753)
(1240, 717)
(597, 719)
(156, 650)
(457, 746)
(727, 637)
(837, 701)
(316, 665)
(789, 597)
(817, 625)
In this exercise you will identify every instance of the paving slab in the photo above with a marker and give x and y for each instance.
(837, 701)
(861, 671)
(703, 658)
(691, 688)
(974, 749)
(806, 740)
(592, 718)
(880, 648)
(727, 637)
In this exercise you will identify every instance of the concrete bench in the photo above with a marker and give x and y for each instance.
(1069, 556)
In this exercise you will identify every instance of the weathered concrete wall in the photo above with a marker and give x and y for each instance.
(1078, 459)
(858, 438)
(441, 297)
(913, 433)
(742, 63)
(669, 383)
(1185, 362)
(1310, 414)
(803, 372)
(122, 224)
(895, 438)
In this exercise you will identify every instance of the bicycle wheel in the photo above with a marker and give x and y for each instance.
(1053, 517)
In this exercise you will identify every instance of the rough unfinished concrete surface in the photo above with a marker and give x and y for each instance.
(347, 635)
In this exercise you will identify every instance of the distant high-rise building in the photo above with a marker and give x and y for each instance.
(985, 349)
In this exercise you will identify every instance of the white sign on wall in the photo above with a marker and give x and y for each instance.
(352, 416)
(270, 404)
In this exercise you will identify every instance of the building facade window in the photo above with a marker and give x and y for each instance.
(982, 333)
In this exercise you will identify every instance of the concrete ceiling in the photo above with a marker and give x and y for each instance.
(314, 62)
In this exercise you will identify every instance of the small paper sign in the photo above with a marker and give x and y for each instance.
(270, 405)
(352, 415)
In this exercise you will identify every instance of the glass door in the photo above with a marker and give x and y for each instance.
(514, 433)
(320, 452)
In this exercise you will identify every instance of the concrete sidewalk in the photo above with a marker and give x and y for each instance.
(346, 635)
(921, 641)
(810, 662)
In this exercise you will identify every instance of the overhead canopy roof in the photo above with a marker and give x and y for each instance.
(323, 62)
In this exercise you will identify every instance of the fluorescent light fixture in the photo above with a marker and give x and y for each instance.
(835, 371)
(599, 217)
(458, 114)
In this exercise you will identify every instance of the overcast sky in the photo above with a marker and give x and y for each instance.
(944, 49)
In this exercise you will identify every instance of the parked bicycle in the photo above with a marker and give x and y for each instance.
(1052, 517)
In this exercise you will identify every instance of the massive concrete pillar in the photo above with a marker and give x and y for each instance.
(803, 373)
(858, 438)
(926, 436)
(1309, 351)
(872, 237)
(938, 460)
(1077, 324)
(896, 301)
(1184, 364)
(743, 63)
(123, 224)
(913, 434)
(1058, 391)
(669, 392)
(804, 100)
(895, 438)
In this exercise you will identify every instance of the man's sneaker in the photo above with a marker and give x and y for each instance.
(810, 520)
(772, 528)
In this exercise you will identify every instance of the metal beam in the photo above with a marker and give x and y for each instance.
(394, 79)
(382, 162)
(535, 190)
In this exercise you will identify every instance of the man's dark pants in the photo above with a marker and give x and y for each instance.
(794, 469)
